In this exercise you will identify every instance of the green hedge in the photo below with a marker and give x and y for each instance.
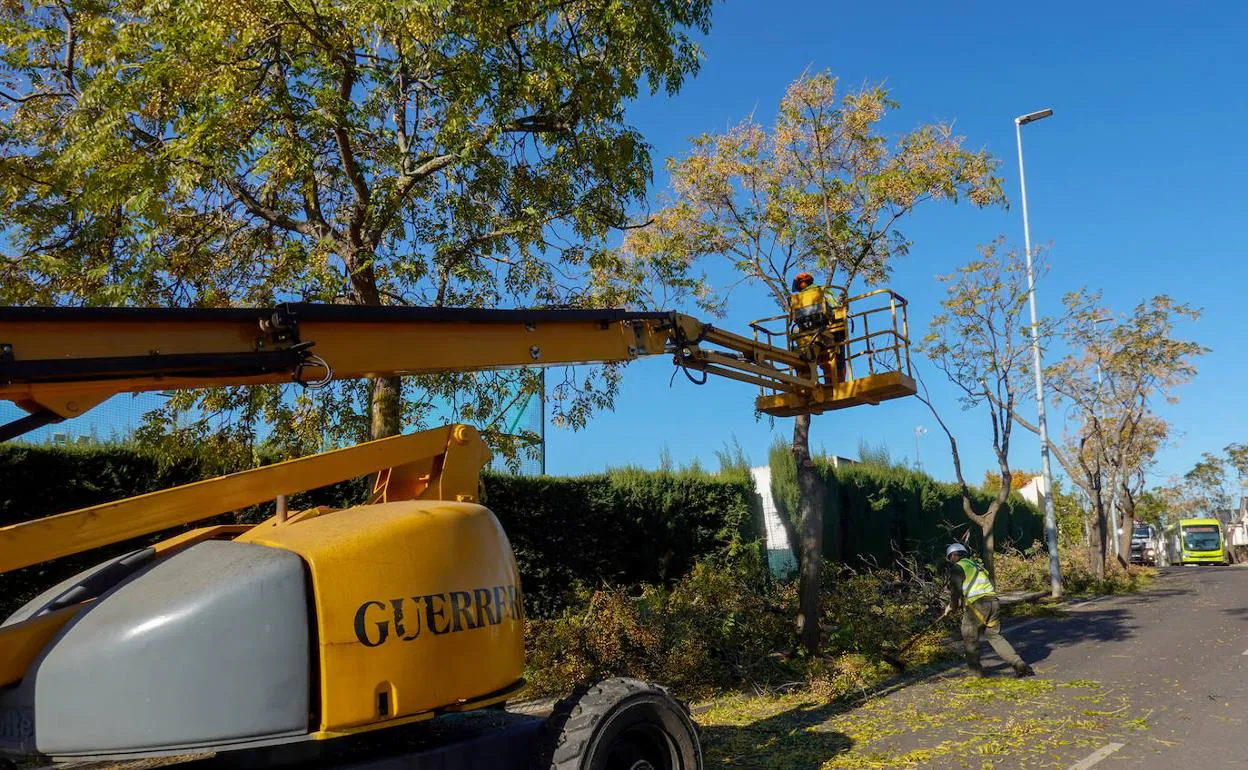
(623, 527)
(620, 528)
(872, 511)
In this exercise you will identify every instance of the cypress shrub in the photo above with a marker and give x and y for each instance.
(872, 513)
(623, 527)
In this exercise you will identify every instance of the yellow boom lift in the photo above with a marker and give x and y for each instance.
(325, 623)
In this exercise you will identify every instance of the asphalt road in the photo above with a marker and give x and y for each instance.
(1178, 653)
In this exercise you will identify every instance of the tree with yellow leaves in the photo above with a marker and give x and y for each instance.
(979, 341)
(819, 190)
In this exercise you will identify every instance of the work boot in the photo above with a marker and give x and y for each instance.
(976, 670)
(1024, 670)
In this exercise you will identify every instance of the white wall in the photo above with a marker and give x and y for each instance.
(777, 538)
(1034, 492)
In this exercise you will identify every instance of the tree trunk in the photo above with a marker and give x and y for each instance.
(385, 399)
(990, 545)
(1124, 543)
(1128, 527)
(385, 393)
(810, 505)
(1097, 554)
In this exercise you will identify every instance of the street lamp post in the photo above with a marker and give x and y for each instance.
(1050, 515)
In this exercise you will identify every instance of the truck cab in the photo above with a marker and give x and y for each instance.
(1144, 545)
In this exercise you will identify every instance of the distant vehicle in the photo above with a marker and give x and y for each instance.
(1196, 541)
(1237, 540)
(1144, 545)
(1236, 532)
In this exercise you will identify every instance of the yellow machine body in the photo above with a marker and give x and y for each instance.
(415, 602)
(418, 606)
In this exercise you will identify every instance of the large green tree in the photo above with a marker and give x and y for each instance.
(820, 190)
(434, 152)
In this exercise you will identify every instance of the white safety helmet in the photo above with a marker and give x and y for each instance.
(955, 548)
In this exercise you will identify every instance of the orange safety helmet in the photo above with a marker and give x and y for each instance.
(803, 281)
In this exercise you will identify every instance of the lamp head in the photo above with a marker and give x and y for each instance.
(1032, 117)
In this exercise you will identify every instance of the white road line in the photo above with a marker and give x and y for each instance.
(1096, 756)
(1246, 652)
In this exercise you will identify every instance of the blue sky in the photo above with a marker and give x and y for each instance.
(1135, 182)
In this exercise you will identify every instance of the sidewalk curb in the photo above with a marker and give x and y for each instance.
(1014, 597)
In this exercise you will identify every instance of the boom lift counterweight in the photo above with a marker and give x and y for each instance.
(327, 623)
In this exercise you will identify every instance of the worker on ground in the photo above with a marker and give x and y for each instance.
(971, 591)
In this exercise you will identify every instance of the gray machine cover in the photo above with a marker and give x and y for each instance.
(208, 647)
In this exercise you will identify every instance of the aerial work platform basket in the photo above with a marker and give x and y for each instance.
(858, 348)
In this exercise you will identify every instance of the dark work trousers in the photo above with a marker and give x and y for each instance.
(985, 615)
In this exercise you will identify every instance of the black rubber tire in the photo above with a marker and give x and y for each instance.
(620, 724)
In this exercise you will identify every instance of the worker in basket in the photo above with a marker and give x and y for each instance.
(971, 591)
(812, 311)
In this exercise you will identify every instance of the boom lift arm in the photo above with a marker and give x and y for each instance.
(57, 363)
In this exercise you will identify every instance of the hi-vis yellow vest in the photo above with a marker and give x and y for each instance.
(975, 582)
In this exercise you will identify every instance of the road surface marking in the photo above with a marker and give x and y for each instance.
(1246, 652)
(1096, 756)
